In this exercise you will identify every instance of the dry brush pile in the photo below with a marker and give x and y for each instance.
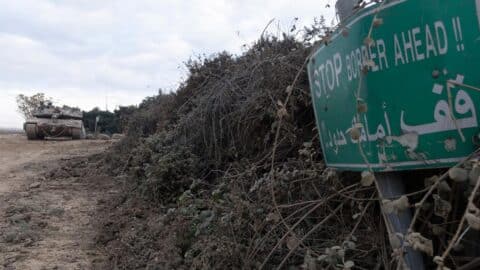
(227, 173)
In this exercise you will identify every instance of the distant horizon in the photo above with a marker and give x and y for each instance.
(20, 125)
(2, 129)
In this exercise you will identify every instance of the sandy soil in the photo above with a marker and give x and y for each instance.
(47, 219)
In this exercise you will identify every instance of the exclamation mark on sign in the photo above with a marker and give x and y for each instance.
(477, 2)
(457, 29)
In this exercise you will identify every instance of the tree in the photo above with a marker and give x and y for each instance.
(108, 121)
(123, 115)
(28, 104)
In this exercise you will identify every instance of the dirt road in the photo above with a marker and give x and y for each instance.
(47, 207)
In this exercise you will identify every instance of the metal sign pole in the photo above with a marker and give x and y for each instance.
(391, 186)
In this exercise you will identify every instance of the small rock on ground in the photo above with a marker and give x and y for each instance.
(35, 185)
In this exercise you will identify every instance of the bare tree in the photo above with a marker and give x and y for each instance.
(28, 104)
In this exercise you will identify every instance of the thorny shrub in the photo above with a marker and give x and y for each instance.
(202, 170)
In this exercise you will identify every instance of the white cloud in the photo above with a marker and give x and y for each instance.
(80, 51)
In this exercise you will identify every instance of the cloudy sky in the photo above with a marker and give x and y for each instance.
(89, 53)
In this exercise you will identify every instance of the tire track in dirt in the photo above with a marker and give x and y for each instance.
(48, 204)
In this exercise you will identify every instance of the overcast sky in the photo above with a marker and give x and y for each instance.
(87, 52)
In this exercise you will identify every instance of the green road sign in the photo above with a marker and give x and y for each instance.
(407, 91)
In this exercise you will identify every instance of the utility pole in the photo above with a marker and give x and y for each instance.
(106, 102)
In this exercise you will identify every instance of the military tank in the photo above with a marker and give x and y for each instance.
(54, 122)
